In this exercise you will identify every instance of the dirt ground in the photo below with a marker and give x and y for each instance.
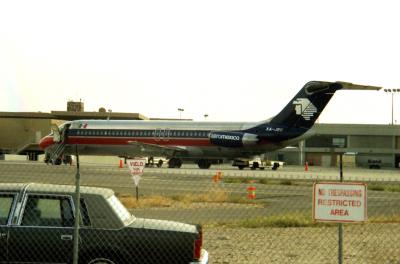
(365, 243)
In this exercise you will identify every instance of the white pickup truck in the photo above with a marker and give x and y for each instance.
(257, 163)
(155, 161)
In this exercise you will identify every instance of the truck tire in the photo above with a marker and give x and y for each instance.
(275, 166)
(255, 165)
(101, 261)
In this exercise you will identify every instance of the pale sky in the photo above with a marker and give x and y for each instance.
(233, 60)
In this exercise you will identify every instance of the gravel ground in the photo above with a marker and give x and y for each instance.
(363, 243)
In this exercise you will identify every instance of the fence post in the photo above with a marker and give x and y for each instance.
(77, 210)
(340, 231)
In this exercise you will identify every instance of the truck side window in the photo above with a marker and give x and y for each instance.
(6, 201)
(84, 214)
(47, 211)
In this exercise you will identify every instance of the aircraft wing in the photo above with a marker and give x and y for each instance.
(352, 86)
(168, 150)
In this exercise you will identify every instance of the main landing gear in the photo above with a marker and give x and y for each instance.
(174, 163)
(204, 164)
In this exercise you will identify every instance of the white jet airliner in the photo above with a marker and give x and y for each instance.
(202, 142)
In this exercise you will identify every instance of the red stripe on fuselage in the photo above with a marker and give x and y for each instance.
(125, 141)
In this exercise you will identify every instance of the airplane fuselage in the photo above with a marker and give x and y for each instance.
(183, 139)
(201, 141)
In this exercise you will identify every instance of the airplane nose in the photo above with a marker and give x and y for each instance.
(46, 142)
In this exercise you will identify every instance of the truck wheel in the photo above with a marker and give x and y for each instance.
(255, 166)
(101, 261)
(241, 167)
(159, 164)
(276, 166)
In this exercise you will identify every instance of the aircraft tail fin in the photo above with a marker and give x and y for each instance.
(305, 108)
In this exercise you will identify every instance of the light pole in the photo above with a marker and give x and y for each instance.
(392, 91)
(180, 112)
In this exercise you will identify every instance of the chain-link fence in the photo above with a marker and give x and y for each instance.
(246, 216)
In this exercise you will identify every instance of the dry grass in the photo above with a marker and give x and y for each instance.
(395, 218)
(214, 196)
(298, 220)
(145, 202)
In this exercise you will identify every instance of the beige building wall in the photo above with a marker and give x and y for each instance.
(371, 142)
(17, 132)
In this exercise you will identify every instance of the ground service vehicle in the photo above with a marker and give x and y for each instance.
(155, 161)
(257, 163)
(36, 226)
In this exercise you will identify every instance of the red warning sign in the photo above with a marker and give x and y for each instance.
(136, 167)
(340, 202)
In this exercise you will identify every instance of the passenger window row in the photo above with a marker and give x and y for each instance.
(139, 133)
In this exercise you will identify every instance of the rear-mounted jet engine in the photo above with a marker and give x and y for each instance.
(233, 139)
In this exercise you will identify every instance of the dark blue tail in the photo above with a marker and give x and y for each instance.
(304, 109)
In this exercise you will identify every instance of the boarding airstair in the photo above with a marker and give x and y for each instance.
(56, 153)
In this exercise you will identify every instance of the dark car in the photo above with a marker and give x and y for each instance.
(36, 226)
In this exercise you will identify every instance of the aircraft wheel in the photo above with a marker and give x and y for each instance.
(204, 164)
(57, 161)
(174, 163)
(178, 163)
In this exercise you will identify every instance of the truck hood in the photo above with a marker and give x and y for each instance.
(163, 225)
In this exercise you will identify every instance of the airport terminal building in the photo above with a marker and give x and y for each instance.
(363, 145)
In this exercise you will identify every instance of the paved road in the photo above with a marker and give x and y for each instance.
(277, 199)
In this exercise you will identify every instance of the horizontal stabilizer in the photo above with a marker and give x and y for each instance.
(352, 86)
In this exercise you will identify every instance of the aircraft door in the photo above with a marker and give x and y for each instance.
(166, 134)
(161, 134)
(56, 133)
(157, 134)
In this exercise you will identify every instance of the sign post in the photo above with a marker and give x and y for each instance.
(136, 167)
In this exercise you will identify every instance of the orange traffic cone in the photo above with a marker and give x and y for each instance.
(120, 163)
(217, 176)
(306, 166)
(251, 192)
